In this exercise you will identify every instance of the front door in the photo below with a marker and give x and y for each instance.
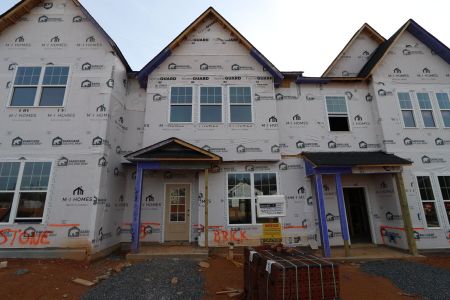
(177, 211)
(357, 216)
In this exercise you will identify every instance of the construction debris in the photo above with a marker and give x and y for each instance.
(22, 271)
(83, 282)
(174, 280)
(3, 264)
(231, 292)
(203, 264)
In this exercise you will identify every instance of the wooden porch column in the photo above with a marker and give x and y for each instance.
(136, 225)
(342, 213)
(206, 210)
(322, 216)
(407, 223)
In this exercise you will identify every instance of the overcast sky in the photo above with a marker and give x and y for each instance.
(294, 35)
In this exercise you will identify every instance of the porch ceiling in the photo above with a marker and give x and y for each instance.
(172, 150)
(352, 159)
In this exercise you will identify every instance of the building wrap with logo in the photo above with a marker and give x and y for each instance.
(215, 98)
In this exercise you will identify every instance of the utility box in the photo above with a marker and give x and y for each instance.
(274, 272)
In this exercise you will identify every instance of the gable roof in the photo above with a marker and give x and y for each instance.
(172, 149)
(13, 15)
(365, 28)
(418, 32)
(167, 51)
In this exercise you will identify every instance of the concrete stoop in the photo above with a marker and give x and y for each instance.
(172, 251)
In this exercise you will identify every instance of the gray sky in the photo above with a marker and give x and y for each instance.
(294, 35)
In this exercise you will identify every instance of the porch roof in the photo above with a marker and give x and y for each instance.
(172, 149)
(352, 159)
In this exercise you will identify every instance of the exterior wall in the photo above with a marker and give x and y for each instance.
(413, 58)
(62, 35)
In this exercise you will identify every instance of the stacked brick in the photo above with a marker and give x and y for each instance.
(288, 274)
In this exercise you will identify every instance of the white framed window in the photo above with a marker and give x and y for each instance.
(181, 104)
(444, 106)
(23, 191)
(407, 110)
(242, 190)
(39, 86)
(444, 185)
(337, 113)
(240, 104)
(428, 201)
(426, 110)
(210, 104)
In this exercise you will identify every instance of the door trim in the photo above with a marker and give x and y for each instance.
(163, 232)
(369, 211)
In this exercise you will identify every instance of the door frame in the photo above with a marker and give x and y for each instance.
(164, 209)
(369, 211)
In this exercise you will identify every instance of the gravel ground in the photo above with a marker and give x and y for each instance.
(152, 280)
(414, 278)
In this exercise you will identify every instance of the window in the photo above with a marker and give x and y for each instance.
(178, 205)
(444, 184)
(181, 104)
(240, 104)
(444, 105)
(337, 114)
(242, 191)
(23, 191)
(428, 201)
(210, 104)
(426, 109)
(34, 87)
(407, 110)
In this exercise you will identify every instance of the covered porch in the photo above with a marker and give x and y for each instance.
(338, 164)
(170, 156)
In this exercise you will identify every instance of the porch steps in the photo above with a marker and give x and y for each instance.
(170, 251)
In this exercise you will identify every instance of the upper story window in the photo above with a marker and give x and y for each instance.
(23, 191)
(407, 110)
(426, 109)
(211, 104)
(39, 86)
(181, 104)
(240, 104)
(337, 113)
(444, 106)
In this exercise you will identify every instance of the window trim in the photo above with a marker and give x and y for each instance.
(441, 118)
(252, 100)
(413, 109)
(441, 197)
(40, 86)
(252, 196)
(337, 114)
(222, 105)
(435, 201)
(170, 104)
(17, 191)
(432, 109)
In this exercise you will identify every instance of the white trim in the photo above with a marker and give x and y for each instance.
(441, 118)
(181, 104)
(422, 211)
(252, 100)
(440, 199)
(413, 109)
(432, 109)
(199, 104)
(39, 87)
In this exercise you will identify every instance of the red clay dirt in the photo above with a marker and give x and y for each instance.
(52, 279)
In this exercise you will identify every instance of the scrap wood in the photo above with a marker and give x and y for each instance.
(237, 264)
(228, 291)
(83, 282)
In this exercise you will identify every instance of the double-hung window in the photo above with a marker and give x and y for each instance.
(181, 104)
(407, 110)
(211, 104)
(428, 201)
(23, 191)
(240, 104)
(444, 106)
(337, 113)
(243, 188)
(39, 86)
(444, 184)
(426, 109)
